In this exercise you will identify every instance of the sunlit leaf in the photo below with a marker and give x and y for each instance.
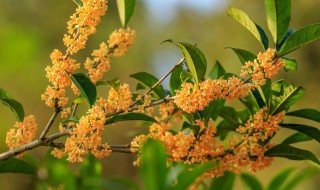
(255, 29)
(296, 137)
(305, 129)
(129, 117)
(148, 81)
(125, 9)
(195, 60)
(251, 182)
(85, 86)
(14, 165)
(15, 107)
(71, 119)
(290, 64)
(292, 153)
(78, 2)
(311, 114)
(300, 177)
(300, 38)
(186, 76)
(278, 14)
(279, 179)
(115, 83)
(251, 103)
(175, 82)
(217, 71)
(244, 55)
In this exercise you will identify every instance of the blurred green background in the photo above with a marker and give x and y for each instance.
(31, 29)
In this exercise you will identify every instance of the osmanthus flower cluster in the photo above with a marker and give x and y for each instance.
(194, 97)
(22, 133)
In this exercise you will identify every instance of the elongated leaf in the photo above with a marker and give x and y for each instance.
(225, 127)
(114, 83)
(217, 71)
(229, 114)
(149, 80)
(290, 64)
(244, 115)
(311, 114)
(189, 176)
(175, 82)
(195, 60)
(279, 179)
(210, 110)
(90, 173)
(288, 34)
(71, 119)
(259, 98)
(300, 38)
(305, 129)
(14, 165)
(251, 103)
(15, 107)
(186, 76)
(125, 9)
(153, 165)
(224, 182)
(4, 94)
(295, 138)
(244, 55)
(251, 182)
(85, 86)
(78, 2)
(266, 91)
(299, 177)
(194, 128)
(292, 153)
(288, 97)
(255, 29)
(130, 116)
(278, 14)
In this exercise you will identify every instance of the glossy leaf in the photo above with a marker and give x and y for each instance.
(14, 165)
(258, 97)
(115, 83)
(251, 182)
(153, 165)
(79, 99)
(190, 174)
(15, 107)
(225, 127)
(229, 114)
(286, 98)
(266, 91)
(186, 76)
(292, 153)
(175, 82)
(255, 29)
(300, 38)
(251, 103)
(85, 86)
(311, 114)
(290, 64)
(129, 117)
(296, 137)
(305, 129)
(244, 55)
(217, 71)
(125, 9)
(71, 119)
(288, 34)
(4, 94)
(78, 2)
(299, 177)
(148, 81)
(279, 179)
(210, 110)
(195, 60)
(224, 182)
(278, 14)
(244, 115)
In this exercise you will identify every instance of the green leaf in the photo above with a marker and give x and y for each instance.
(255, 29)
(285, 98)
(148, 81)
(14, 165)
(244, 55)
(300, 38)
(186, 76)
(311, 114)
(224, 182)
(290, 64)
(71, 119)
(130, 116)
(299, 177)
(229, 114)
(292, 153)
(125, 9)
(79, 99)
(78, 2)
(217, 71)
(85, 86)
(195, 60)
(295, 138)
(175, 82)
(15, 107)
(225, 127)
(244, 115)
(195, 128)
(251, 182)
(4, 94)
(153, 168)
(90, 173)
(114, 83)
(190, 174)
(278, 14)
(279, 179)
(266, 91)
(305, 129)
(210, 110)
(251, 103)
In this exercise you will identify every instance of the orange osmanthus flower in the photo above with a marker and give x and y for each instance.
(22, 133)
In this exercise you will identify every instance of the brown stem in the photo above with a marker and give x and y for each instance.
(50, 122)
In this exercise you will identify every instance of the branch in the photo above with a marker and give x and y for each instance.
(50, 122)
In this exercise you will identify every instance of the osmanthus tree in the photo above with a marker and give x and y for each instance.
(212, 139)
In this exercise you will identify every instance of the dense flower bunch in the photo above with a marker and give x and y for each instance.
(22, 133)
(194, 97)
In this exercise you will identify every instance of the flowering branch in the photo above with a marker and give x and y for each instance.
(50, 122)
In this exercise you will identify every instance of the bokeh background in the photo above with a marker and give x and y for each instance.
(31, 29)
